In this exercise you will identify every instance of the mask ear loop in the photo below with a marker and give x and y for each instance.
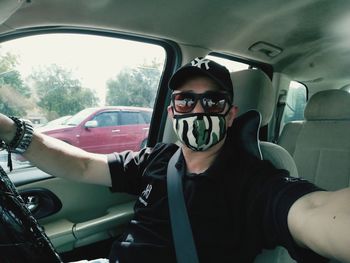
(172, 104)
(228, 110)
(230, 106)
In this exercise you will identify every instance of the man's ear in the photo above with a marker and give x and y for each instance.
(232, 115)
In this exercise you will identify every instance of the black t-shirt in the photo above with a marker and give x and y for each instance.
(236, 208)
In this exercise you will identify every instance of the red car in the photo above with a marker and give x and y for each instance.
(106, 129)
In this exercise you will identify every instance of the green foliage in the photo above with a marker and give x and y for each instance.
(8, 109)
(59, 92)
(134, 87)
(12, 88)
(8, 61)
(14, 79)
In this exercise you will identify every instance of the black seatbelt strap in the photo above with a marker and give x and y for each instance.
(281, 103)
(182, 233)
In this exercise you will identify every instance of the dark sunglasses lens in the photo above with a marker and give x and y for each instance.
(184, 102)
(215, 102)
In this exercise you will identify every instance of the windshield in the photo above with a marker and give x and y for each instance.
(79, 117)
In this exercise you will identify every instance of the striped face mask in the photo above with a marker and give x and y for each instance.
(200, 131)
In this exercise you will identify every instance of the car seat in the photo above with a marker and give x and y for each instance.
(253, 90)
(320, 144)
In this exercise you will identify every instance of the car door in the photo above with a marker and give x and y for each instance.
(131, 130)
(101, 139)
(75, 215)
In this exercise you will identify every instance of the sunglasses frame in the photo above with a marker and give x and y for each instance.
(200, 97)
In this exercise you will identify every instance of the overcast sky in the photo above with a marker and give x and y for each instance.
(92, 59)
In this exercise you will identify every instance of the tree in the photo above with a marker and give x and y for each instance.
(134, 87)
(59, 93)
(13, 103)
(14, 79)
(8, 61)
(13, 91)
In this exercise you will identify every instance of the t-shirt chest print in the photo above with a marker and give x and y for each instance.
(143, 198)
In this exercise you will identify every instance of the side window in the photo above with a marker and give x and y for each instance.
(295, 103)
(106, 119)
(146, 116)
(129, 118)
(47, 76)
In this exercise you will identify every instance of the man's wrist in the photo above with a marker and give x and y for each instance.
(10, 131)
(21, 138)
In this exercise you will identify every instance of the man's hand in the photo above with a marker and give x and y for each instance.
(7, 128)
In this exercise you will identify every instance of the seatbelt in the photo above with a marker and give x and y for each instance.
(281, 103)
(185, 248)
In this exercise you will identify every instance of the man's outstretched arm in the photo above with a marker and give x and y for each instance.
(320, 221)
(59, 158)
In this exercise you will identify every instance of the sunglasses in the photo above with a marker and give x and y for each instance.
(211, 101)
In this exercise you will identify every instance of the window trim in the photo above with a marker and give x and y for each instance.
(172, 61)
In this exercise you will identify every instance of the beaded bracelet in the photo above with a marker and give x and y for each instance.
(4, 146)
(19, 132)
(26, 138)
(21, 141)
(23, 137)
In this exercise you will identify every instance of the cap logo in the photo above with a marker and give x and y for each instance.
(198, 62)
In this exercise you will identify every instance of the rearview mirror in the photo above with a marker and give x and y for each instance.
(91, 124)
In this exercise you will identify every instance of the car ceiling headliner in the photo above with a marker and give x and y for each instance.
(313, 34)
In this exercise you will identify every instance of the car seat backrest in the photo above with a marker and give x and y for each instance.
(244, 135)
(320, 144)
(253, 91)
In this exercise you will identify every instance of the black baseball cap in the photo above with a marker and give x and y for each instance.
(203, 66)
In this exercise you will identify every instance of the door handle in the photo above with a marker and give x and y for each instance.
(115, 131)
(32, 202)
(41, 202)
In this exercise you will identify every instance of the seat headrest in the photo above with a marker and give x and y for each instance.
(328, 105)
(253, 90)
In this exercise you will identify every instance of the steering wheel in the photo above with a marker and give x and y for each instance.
(22, 239)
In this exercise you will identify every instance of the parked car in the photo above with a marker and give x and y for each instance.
(56, 122)
(105, 129)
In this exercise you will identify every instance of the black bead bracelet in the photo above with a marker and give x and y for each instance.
(19, 133)
(21, 141)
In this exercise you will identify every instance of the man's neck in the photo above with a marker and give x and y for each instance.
(198, 162)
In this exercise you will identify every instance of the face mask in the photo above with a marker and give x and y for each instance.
(200, 131)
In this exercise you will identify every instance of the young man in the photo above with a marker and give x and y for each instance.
(237, 204)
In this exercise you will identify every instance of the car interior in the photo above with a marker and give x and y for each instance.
(289, 62)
